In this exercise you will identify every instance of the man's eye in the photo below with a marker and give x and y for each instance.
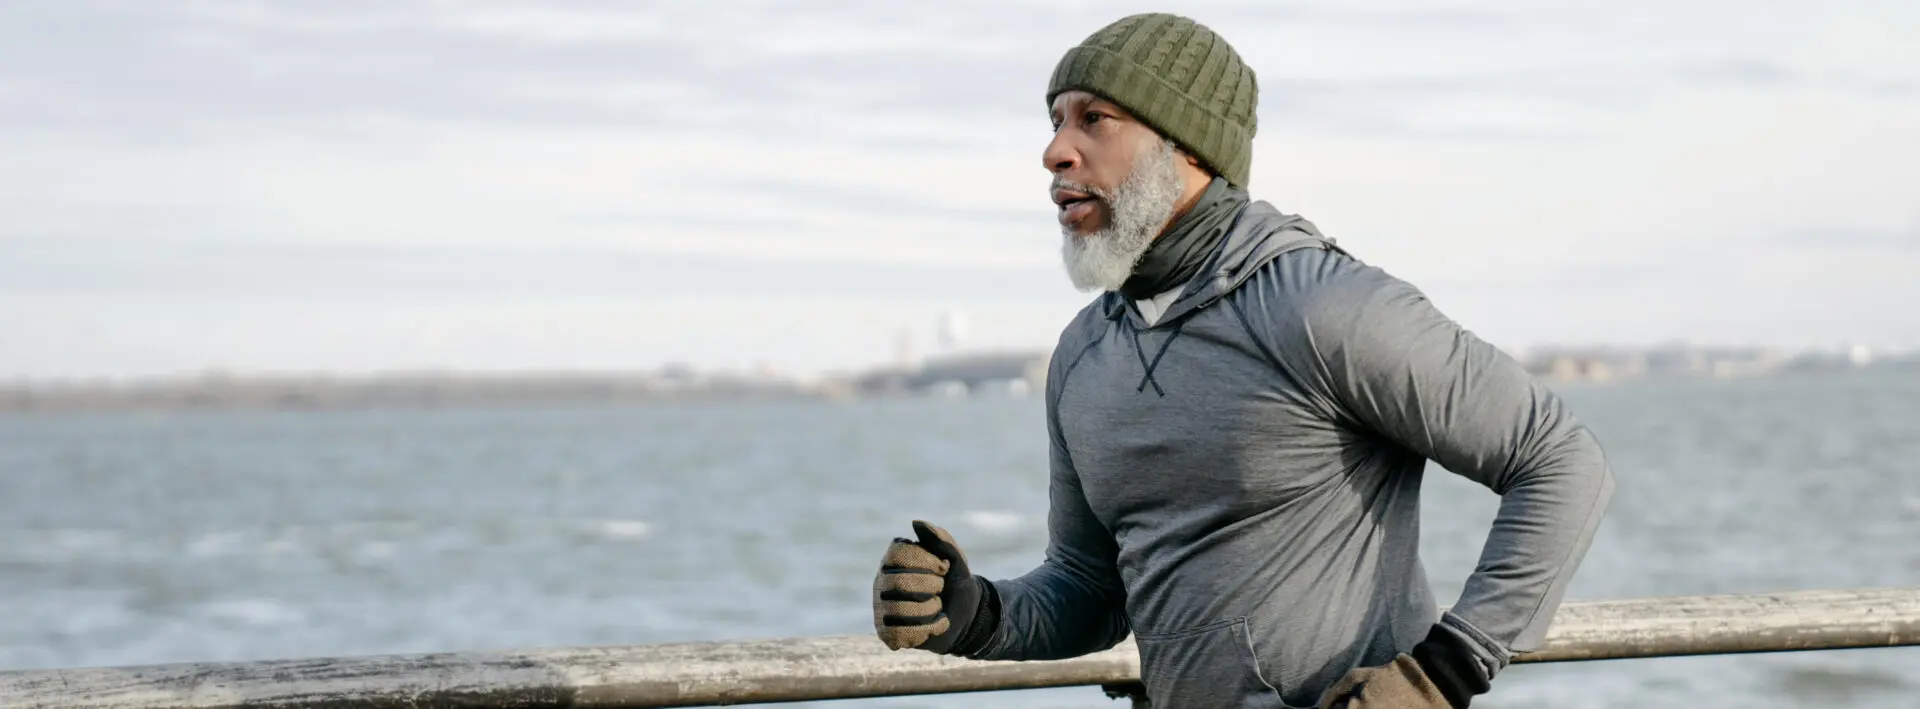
(1093, 117)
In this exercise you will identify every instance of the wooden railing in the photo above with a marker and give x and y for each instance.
(704, 674)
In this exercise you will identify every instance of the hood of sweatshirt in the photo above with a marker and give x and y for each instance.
(1259, 233)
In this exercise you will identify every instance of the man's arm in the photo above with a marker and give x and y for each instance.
(1397, 366)
(1073, 603)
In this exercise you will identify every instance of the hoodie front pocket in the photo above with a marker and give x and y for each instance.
(1213, 665)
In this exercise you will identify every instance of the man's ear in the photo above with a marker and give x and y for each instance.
(1194, 162)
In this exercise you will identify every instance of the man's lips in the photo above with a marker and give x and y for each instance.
(1075, 210)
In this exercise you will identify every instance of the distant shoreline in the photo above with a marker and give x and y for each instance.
(319, 393)
(955, 374)
(279, 394)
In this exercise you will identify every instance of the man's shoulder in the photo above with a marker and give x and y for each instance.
(1315, 279)
(1320, 293)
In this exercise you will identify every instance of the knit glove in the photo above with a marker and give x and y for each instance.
(1440, 672)
(926, 598)
(1396, 685)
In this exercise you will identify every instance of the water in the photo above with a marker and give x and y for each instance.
(147, 538)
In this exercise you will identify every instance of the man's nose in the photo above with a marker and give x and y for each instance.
(1060, 155)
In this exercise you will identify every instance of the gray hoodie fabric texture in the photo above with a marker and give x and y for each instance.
(1237, 485)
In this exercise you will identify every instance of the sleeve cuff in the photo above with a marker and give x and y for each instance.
(1450, 663)
(986, 620)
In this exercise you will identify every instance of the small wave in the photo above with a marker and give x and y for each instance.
(64, 545)
(1826, 683)
(85, 539)
(378, 549)
(1912, 503)
(622, 529)
(993, 520)
(216, 544)
(254, 611)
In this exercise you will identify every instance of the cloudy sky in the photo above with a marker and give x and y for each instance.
(371, 185)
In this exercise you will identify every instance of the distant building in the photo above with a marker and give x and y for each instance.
(1017, 372)
(951, 330)
(904, 355)
(1681, 360)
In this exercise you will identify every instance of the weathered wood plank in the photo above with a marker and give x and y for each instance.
(1708, 625)
(697, 674)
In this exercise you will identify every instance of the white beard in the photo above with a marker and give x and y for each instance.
(1137, 212)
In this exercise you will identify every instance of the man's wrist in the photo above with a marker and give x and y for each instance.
(986, 618)
(1449, 663)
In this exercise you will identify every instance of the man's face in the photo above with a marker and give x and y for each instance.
(1096, 144)
(1116, 182)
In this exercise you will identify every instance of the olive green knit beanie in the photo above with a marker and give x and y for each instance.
(1177, 76)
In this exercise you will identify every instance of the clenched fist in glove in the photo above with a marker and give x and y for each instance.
(1439, 673)
(1397, 685)
(926, 598)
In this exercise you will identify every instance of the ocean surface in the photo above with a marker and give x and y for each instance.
(136, 538)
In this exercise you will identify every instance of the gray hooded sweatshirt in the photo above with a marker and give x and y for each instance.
(1237, 485)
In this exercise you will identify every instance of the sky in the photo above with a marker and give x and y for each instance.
(374, 185)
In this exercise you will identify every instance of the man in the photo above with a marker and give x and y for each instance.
(1239, 427)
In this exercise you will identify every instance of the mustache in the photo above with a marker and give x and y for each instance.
(1061, 183)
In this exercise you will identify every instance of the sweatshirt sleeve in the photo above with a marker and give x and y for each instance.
(1393, 364)
(1073, 603)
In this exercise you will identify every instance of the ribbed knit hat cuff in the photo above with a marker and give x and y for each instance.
(1221, 144)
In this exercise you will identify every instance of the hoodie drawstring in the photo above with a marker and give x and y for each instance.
(1146, 366)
